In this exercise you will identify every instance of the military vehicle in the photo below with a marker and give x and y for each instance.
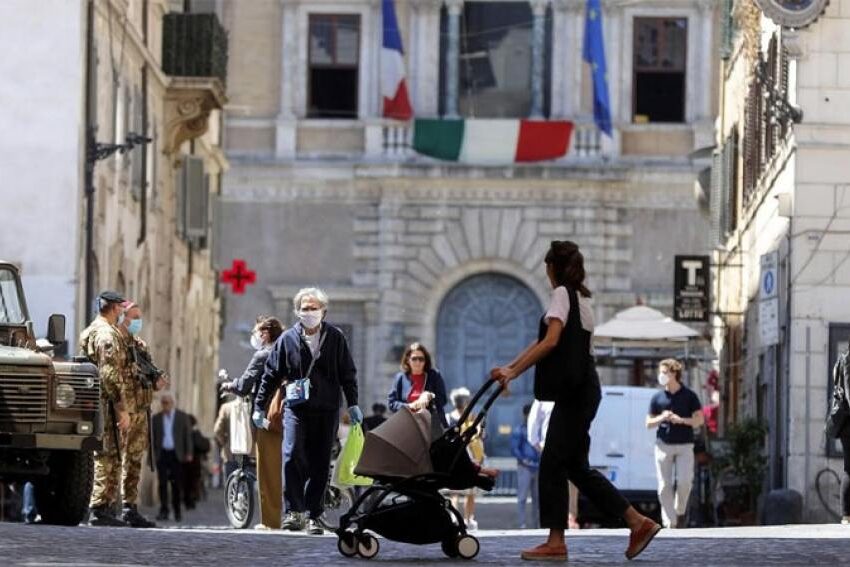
(50, 415)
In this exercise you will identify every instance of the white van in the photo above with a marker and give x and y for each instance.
(622, 449)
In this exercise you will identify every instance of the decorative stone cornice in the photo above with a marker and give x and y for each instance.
(188, 103)
(748, 17)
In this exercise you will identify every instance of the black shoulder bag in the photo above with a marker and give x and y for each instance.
(564, 370)
(839, 413)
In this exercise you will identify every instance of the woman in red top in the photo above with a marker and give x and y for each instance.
(418, 383)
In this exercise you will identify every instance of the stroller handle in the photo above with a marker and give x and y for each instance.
(470, 431)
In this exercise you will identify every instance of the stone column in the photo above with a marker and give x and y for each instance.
(706, 68)
(424, 58)
(454, 8)
(286, 118)
(538, 53)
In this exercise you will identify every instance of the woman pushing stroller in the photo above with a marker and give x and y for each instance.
(565, 373)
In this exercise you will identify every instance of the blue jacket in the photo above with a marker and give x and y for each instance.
(402, 384)
(333, 371)
(522, 450)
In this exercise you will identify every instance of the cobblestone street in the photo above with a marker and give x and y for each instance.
(763, 546)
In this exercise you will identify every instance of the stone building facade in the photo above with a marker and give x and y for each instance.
(780, 217)
(148, 200)
(410, 248)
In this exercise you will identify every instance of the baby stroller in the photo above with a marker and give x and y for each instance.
(411, 459)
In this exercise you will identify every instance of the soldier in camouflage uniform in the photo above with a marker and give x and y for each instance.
(102, 343)
(135, 441)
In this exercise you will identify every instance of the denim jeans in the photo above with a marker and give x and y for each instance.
(526, 482)
(29, 510)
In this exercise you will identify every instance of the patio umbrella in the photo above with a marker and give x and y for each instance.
(398, 447)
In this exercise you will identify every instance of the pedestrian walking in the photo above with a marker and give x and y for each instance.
(313, 363)
(566, 373)
(221, 433)
(538, 426)
(172, 438)
(268, 442)
(135, 440)
(460, 400)
(194, 488)
(527, 465)
(839, 413)
(675, 411)
(377, 418)
(101, 342)
(418, 383)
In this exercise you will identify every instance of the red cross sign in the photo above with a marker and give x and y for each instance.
(239, 276)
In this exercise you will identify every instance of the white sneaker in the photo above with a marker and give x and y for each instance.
(845, 520)
(471, 525)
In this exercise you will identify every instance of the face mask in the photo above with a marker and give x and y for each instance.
(310, 319)
(135, 326)
(663, 379)
(256, 343)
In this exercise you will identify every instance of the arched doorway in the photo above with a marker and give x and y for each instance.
(483, 322)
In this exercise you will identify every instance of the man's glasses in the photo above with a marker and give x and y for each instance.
(417, 359)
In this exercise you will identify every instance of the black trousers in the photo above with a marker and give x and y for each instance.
(565, 457)
(169, 472)
(307, 442)
(845, 481)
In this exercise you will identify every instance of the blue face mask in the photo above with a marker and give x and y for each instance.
(135, 326)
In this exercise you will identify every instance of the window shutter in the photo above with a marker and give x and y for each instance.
(135, 154)
(728, 31)
(180, 198)
(715, 200)
(197, 200)
(152, 166)
(731, 178)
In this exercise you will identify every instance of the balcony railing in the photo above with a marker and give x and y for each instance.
(389, 140)
(194, 45)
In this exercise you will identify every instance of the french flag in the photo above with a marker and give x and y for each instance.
(393, 82)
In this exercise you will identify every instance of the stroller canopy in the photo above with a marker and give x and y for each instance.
(399, 447)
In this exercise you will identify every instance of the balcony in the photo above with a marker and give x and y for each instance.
(194, 54)
(194, 45)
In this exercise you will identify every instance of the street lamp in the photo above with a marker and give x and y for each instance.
(96, 151)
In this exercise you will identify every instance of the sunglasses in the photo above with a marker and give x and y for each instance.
(417, 359)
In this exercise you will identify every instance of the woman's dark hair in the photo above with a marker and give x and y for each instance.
(405, 358)
(271, 325)
(568, 265)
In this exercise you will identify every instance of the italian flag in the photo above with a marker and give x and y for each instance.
(492, 141)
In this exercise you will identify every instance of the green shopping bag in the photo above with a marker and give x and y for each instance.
(349, 457)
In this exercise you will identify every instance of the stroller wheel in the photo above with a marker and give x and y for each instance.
(449, 548)
(467, 546)
(368, 546)
(347, 544)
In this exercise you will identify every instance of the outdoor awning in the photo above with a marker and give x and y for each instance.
(644, 333)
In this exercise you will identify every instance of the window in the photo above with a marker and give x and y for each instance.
(495, 59)
(660, 56)
(193, 201)
(334, 65)
(11, 306)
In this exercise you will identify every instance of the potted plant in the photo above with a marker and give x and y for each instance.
(740, 471)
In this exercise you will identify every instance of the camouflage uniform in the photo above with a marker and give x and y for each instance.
(135, 440)
(103, 345)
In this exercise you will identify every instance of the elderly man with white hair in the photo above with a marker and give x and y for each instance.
(312, 363)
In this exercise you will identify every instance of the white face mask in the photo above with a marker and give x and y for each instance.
(256, 342)
(663, 379)
(310, 319)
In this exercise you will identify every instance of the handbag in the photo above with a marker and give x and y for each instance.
(298, 390)
(839, 412)
(241, 433)
(348, 459)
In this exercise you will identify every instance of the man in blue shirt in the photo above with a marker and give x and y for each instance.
(527, 465)
(676, 411)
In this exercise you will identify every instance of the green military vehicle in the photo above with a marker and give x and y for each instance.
(50, 415)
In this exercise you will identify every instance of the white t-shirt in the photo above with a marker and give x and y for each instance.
(312, 342)
(559, 308)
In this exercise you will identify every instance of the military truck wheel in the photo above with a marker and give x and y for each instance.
(63, 495)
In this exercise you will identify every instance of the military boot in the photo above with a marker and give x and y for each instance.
(130, 515)
(104, 516)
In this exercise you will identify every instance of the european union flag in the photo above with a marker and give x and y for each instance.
(594, 54)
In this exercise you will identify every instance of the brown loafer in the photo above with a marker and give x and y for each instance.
(640, 538)
(545, 553)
